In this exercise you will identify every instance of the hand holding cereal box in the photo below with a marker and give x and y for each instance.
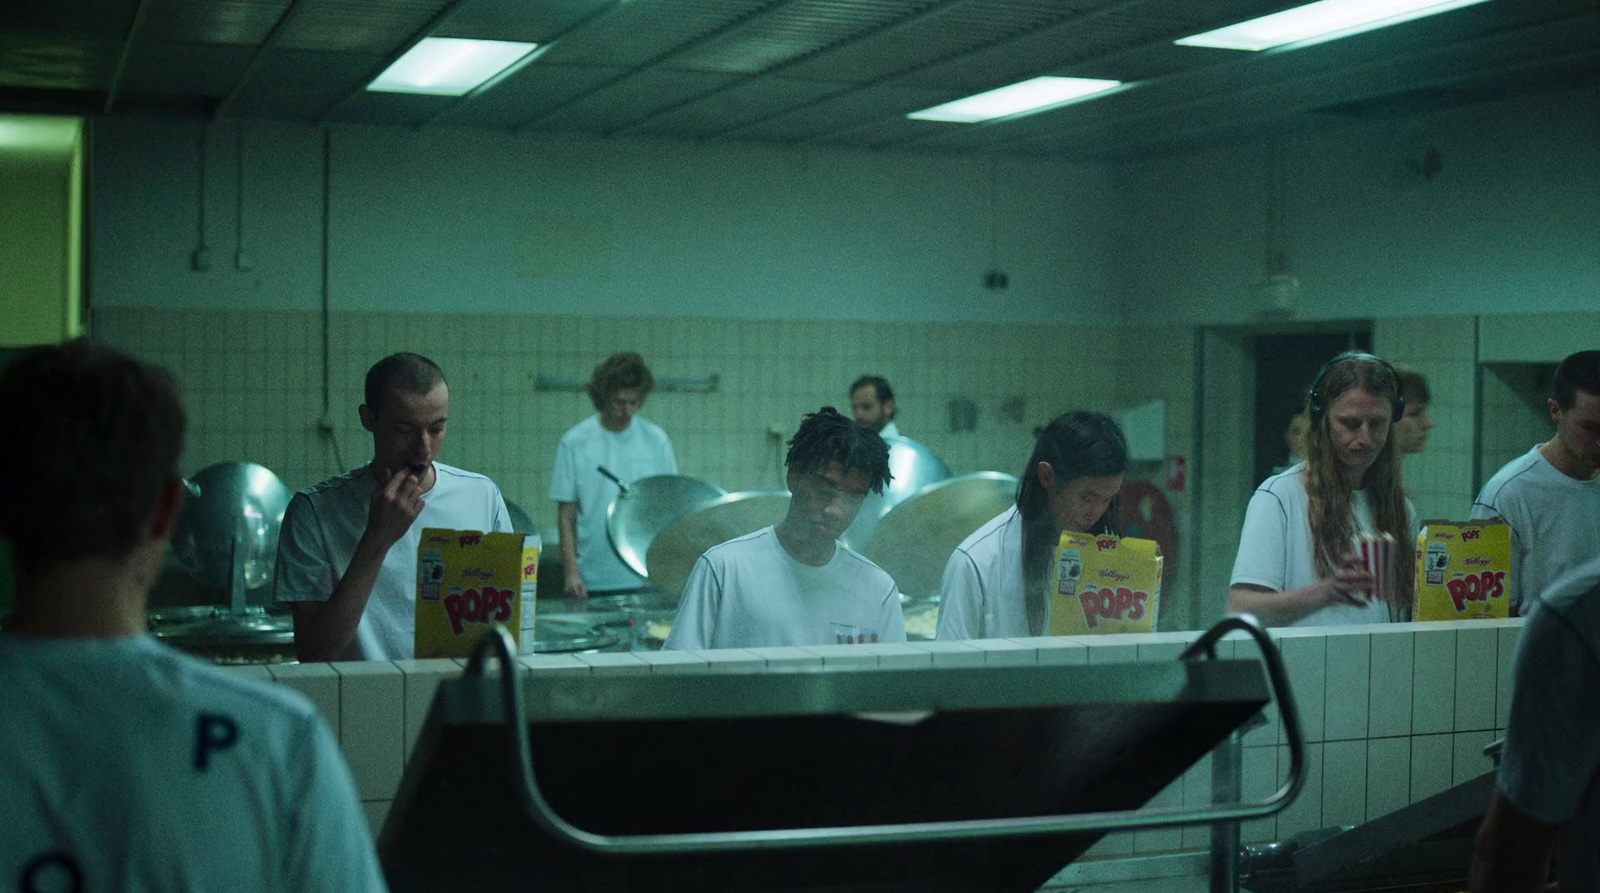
(468, 581)
(1463, 570)
(1105, 584)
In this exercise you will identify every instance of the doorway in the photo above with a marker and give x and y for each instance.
(1285, 367)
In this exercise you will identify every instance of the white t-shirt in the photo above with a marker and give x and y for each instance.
(749, 592)
(139, 768)
(890, 430)
(1555, 521)
(1276, 551)
(1552, 747)
(323, 525)
(638, 451)
(982, 596)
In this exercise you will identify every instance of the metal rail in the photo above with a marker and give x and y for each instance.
(499, 642)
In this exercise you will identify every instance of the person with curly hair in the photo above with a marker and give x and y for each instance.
(794, 583)
(625, 444)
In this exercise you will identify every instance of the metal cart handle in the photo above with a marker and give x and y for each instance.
(499, 641)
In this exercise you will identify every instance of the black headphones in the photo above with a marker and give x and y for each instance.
(1314, 399)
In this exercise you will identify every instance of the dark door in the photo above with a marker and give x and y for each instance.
(1285, 367)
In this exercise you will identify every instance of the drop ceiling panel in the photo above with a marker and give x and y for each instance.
(729, 108)
(402, 109)
(845, 113)
(33, 63)
(603, 111)
(534, 92)
(521, 19)
(376, 27)
(640, 32)
(793, 30)
(297, 85)
(238, 22)
(159, 71)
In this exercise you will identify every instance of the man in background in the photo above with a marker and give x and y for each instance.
(127, 765)
(628, 447)
(1411, 432)
(872, 401)
(794, 583)
(347, 551)
(1550, 495)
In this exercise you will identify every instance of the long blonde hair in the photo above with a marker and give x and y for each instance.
(1329, 503)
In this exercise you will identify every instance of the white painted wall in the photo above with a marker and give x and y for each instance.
(464, 221)
(1506, 226)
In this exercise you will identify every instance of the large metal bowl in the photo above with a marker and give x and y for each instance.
(914, 540)
(649, 506)
(914, 467)
(675, 550)
(240, 508)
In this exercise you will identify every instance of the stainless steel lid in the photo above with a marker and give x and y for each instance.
(674, 550)
(914, 540)
(649, 506)
(914, 466)
(238, 501)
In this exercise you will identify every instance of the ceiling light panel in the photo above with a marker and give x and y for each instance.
(1023, 98)
(449, 66)
(1320, 22)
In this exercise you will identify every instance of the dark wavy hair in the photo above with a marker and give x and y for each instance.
(94, 437)
(1079, 444)
(826, 436)
(618, 372)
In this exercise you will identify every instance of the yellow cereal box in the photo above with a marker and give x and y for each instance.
(467, 581)
(1105, 584)
(1463, 570)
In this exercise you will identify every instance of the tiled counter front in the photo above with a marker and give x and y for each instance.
(1392, 713)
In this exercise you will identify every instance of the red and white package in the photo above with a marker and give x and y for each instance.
(1377, 556)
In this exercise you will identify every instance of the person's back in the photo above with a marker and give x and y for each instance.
(125, 765)
(129, 766)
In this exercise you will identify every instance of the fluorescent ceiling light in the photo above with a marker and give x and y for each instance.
(449, 66)
(1022, 98)
(1318, 22)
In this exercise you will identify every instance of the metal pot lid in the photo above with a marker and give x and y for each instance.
(914, 467)
(649, 506)
(252, 628)
(914, 540)
(675, 550)
(554, 635)
(237, 499)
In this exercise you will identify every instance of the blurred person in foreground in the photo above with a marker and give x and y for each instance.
(125, 765)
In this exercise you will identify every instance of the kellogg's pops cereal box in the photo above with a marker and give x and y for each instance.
(1105, 584)
(467, 581)
(1463, 570)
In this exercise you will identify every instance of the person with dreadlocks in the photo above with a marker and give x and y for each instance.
(997, 583)
(1296, 564)
(794, 583)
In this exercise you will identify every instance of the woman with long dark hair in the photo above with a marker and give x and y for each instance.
(997, 583)
(1296, 564)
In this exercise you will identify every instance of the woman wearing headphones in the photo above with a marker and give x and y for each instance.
(1297, 563)
(997, 583)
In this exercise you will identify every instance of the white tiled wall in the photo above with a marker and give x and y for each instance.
(1515, 416)
(1389, 714)
(253, 385)
(1440, 479)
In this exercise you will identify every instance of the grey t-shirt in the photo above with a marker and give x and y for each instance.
(1552, 747)
(1555, 521)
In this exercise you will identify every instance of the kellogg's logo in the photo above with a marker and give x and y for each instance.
(488, 605)
(1120, 603)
